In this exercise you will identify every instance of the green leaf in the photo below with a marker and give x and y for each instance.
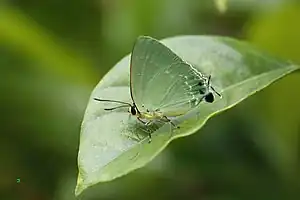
(109, 147)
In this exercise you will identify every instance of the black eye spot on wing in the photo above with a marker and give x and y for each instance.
(201, 83)
(202, 91)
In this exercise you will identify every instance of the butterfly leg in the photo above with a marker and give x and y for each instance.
(146, 125)
(129, 117)
(166, 119)
(141, 120)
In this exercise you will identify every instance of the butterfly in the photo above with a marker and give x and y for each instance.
(162, 85)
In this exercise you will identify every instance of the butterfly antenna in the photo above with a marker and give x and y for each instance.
(114, 101)
(125, 104)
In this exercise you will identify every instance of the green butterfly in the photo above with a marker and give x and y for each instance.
(162, 85)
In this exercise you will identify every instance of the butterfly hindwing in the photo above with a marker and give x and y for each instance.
(161, 80)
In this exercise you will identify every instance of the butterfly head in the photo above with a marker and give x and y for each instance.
(133, 109)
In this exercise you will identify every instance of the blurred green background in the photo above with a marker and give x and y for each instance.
(52, 54)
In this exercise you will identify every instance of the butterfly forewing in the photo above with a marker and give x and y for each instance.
(160, 80)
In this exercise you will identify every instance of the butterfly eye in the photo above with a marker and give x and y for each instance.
(132, 110)
(209, 98)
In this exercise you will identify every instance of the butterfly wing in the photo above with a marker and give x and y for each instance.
(160, 80)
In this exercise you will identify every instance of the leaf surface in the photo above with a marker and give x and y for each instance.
(109, 144)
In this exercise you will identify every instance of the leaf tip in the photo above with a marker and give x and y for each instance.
(80, 186)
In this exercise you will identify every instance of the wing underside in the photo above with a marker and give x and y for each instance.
(160, 80)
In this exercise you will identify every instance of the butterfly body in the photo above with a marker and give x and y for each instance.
(152, 115)
(148, 117)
